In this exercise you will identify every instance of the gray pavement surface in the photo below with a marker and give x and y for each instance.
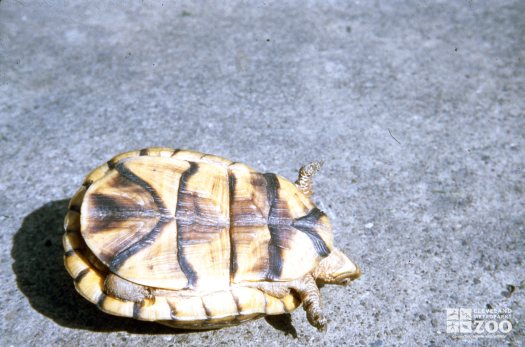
(416, 107)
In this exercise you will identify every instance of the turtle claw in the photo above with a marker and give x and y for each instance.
(318, 320)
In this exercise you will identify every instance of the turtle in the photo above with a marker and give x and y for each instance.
(196, 241)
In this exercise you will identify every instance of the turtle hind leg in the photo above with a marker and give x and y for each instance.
(120, 288)
(310, 295)
(304, 181)
(311, 298)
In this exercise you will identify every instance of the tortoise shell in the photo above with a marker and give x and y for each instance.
(196, 229)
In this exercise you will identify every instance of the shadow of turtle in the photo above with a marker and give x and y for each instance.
(282, 322)
(40, 274)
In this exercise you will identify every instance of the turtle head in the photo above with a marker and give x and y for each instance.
(336, 268)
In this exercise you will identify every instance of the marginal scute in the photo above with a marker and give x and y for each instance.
(75, 264)
(71, 239)
(113, 161)
(291, 302)
(219, 304)
(214, 159)
(91, 286)
(96, 174)
(188, 155)
(117, 307)
(156, 152)
(72, 220)
(240, 168)
(76, 200)
(274, 305)
(187, 309)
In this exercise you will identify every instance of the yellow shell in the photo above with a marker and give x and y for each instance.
(198, 229)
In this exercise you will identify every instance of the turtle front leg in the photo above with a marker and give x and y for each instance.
(123, 289)
(305, 182)
(311, 298)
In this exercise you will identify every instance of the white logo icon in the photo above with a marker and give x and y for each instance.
(478, 322)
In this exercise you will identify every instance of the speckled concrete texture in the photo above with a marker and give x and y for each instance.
(416, 107)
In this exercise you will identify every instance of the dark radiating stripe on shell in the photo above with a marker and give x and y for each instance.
(175, 151)
(124, 171)
(232, 182)
(136, 310)
(275, 265)
(110, 208)
(148, 239)
(185, 266)
(307, 225)
(144, 151)
(119, 259)
(81, 275)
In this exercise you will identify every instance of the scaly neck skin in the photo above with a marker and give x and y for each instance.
(336, 269)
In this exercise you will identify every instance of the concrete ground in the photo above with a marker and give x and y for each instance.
(417, 109)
